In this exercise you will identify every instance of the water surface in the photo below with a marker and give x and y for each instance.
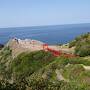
(49, 34)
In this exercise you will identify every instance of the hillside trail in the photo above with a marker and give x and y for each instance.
(86, 67)
(18, 46)
(60, 76)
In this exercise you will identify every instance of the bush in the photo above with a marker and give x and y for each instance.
(27, 63)
(72, 44)
(1, 46)
(84, 50)
(58, 85)
(7, 86)
(82, 45)
(6, 52)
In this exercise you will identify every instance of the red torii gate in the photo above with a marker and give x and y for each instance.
(56, 52)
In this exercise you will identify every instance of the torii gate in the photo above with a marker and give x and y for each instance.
(57, 53)
(54, 52)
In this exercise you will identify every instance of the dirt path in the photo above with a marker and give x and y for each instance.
(86, 67)
(63, 49)
(59, 76)
(18, 46)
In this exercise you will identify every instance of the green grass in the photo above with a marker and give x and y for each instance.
(28, 69)
(27, 63)
(31, 67)
(82, 45)
(76, 73)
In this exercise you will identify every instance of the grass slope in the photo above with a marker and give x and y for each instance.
(81, 44)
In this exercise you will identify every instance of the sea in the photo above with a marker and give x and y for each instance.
(53, 34)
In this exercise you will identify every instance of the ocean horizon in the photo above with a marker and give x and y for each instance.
(53, 34)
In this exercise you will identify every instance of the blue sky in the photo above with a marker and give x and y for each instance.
(17, 13)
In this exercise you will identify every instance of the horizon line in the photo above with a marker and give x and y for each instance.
(43, 25)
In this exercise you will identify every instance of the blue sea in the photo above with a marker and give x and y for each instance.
(53, 34)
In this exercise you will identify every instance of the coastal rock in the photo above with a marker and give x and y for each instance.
(18, 46)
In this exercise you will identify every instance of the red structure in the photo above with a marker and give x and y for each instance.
(56, 52)
(45, 47)
(33, 42)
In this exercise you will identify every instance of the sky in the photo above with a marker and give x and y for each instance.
(18, 13)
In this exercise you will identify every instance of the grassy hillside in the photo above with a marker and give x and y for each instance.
(81, 44)
(1, 46)
(40, 70)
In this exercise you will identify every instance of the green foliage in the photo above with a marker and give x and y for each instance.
(5, 59)
(72, 43)
(61, 62)
(5, 52)
(27, 63)
(77, 74)
(72, 72)
(78, 61)
(1, 46)
(72, 69)
(58, 85)
(37, 71)
(7, 86)
(83, 50)
(82, 45)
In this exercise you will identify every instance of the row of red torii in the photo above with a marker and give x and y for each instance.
(57, 52)
(53, 51)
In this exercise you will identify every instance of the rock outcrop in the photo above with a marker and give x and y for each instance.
(18, 46)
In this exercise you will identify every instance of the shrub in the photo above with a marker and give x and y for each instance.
(84, 50)
(27, 63)
(6, 52)
(72, 44)
(82, 45)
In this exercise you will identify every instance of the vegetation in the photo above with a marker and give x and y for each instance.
(82, 45)
(76, 77)
(1, 46)
(40, 70)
